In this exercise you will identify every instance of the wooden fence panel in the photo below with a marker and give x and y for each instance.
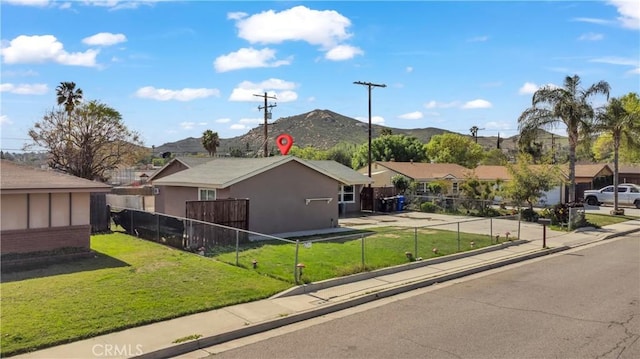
(227, 212)
(99, 215)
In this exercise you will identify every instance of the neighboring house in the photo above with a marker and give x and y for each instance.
(421, 173)
(628, 173)
(44, 210)
(285, 193)
(178, 164)
(591, 176)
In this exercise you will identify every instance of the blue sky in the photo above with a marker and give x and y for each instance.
(176, 68)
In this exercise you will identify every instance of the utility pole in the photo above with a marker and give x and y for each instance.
(267, 114)
(369, 85)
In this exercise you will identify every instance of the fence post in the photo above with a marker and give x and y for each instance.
(458, 236)
(415, 242)
(295, 263)
(362, 250)
(237, 247)
(491, 230)
(519, 221)
(158, 228)
(131, 230)
(190, 239)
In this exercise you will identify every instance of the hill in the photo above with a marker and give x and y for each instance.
(321, 129)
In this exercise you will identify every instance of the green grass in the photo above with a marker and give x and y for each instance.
(384, 247)
(600, 220)
(130, 282)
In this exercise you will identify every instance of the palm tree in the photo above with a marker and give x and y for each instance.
(210, 142)
(474, 132)
(68, 96)
(566, 105)
(620, 123)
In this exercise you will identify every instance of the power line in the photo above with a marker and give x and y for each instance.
(369, 85)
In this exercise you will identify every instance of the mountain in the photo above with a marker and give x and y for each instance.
(321, 129)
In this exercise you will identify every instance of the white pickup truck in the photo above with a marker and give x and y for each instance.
(628, 194)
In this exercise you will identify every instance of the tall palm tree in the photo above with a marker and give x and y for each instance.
(210, 142)
(620, 123)
(69, 96)
(568, 105)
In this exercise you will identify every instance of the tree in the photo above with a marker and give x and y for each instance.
(477, 194)
(494, 157)
(474, 133)
(620, 123)
(398, 148)
(69, 96)
(400, 182)
(454, 148)
(567, 105)
(210, 142)
(97, 142)
(529, 182)
(386, 132)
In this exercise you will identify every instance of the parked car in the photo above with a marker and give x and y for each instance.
(628, 194)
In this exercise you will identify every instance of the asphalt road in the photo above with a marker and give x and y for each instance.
(583, 303)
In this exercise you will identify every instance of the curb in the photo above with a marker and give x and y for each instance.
(295, 318)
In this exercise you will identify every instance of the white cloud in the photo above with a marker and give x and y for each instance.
(435, 104)
(24, 89)
(613, 60)
(416, 115)
(4, 120)
(186, 94)
(325, 28)
(479, 103)
(528, 88)
(251, 121)
(19, 73)
(44, 48)
(478, 39)
(343, 52)
(40, 3)
(376, 120)
(629, 11)
(592, 20)
(409, 69)
(635, 71)
(238, 126)
(187, 125)
(281, 89)
(248, 58)
(104, 39)
(223, 120)
(591, 36)
(120, 4)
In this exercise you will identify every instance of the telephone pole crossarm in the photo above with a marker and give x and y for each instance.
(266, 109)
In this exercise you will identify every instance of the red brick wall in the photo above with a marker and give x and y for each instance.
(44, 239)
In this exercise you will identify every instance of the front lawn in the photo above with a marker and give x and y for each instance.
(383, 247)
(600, 220)
(129, 283)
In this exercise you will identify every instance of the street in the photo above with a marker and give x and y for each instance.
(581, 303)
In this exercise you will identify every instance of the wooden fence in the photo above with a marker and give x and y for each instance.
(227, 212)
(99, 215)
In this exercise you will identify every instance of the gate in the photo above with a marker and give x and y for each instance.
(232, 213)
(366, 199)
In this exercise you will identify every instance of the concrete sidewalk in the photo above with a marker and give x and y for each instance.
(163, 339)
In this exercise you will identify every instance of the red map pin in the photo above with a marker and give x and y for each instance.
(284, 142)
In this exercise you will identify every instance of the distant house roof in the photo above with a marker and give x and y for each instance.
(188, 162)
(627, 169)
(16, 178)
(592, 170)
(425, 171)
(224, 172)
(345, 174)
(491, 173)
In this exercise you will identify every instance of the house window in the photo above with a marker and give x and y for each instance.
(454, 187)
(206, 194)
(346, 194)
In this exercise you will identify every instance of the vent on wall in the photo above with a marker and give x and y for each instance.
(156, 190)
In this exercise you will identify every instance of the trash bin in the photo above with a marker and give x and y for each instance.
(340, 210)
(400, 203)
(389, 204)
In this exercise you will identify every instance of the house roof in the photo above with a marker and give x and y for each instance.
(425, 171)
(188, 162)
(590, 170)
(491, 173)
(16, 178)
(345, 174)
(224, 172)
(627, 169)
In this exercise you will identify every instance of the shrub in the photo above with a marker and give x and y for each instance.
(530, 215)
(429, 207)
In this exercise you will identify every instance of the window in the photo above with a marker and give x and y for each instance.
(206, 194)
(346, 194)
(454, 187)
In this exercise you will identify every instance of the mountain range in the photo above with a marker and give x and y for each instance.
(321, 129)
